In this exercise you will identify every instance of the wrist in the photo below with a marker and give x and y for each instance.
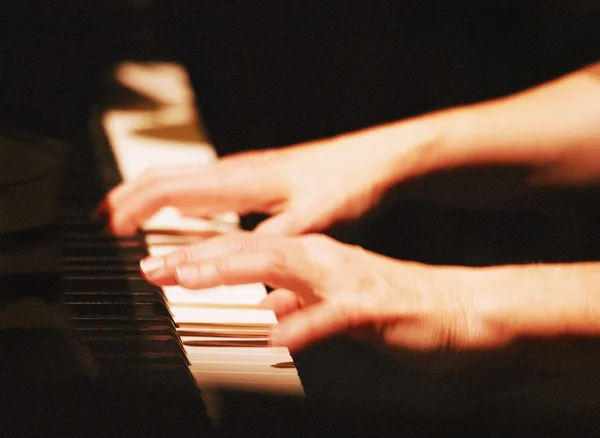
(403, 150)
(493, 312)
(532, 301)
(426, 144)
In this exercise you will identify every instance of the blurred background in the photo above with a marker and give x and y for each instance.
(275, 73)
(233, 75)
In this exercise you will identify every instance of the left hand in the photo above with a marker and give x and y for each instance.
(324, 288)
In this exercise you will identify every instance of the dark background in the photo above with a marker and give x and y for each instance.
(273, 73)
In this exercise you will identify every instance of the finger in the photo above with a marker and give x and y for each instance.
(281, 301)
(298, 220)
(314, 323)
(217, 189)
(249, 267)
(232, 243)
(279, 266)
(286, 223)
(123, 191)
(160, 269)
(142, 204)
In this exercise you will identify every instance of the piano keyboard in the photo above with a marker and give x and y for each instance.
(129, 366)
(223, 334)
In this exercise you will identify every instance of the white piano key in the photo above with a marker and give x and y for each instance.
(267, 381)
(276, 354)
(166, 83)
(244, 295)
(170, 218)
(225, 332)
(257, 368)
(262, 372)
(229, 308)
(136, 154)
(237, 367)
(197, 315)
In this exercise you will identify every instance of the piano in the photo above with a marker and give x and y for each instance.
(84, 352)
(88, 349)
(88, 346)
(232, 309)
(351, 389)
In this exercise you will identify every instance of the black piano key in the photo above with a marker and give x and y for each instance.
(134, 345)
(104, 250)
(117, 332)
(103, 259)
(123, 321)
(106, 321)
(137, 354)
(91, 283)
(113, 269)
(113, 362)
(138, 310)
(100, 262)
(89, 239)
(78, 228)
(114, 297)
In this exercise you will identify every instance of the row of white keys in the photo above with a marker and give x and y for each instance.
(224, 334)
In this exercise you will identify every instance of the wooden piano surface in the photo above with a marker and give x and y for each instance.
(169, 132)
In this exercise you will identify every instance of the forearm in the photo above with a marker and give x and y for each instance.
(554, 129)
(539, 300)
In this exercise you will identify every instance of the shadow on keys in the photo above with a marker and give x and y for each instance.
(41, 362)
(77, 357)
(546, 389)
(85, 350)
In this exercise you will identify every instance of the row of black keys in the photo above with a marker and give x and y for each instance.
(113, 309)
(126, 325)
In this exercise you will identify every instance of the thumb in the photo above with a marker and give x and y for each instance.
(281, 301)
(314, 323)
(289, 222)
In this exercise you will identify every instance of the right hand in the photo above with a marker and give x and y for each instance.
(303, 188)
(324, 287)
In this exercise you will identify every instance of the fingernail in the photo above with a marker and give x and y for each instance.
(187, 274)
(151, 264)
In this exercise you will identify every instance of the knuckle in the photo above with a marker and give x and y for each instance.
(149, 176)
(318, 239)
(220, 267)
(342, 308)
(355, 254)
(157, 194)
(183, 256)
(237, 245)
(344, 314)
(158, 188)
(313, 242)
(161, 198)
(356, 249)
(278, 259)
(122, 223)
(319, 248)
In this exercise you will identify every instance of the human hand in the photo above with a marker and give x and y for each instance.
(323, 288)
(303, 188)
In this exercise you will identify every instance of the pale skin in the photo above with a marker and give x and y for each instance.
(324, 287)
(553, 129)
